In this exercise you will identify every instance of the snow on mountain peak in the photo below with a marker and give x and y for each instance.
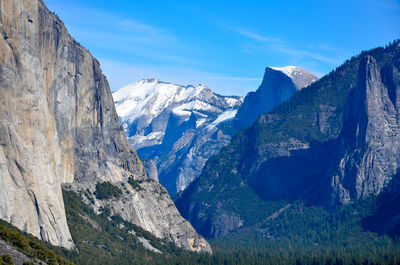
(141, 102)
(287, 70)
(300, 77)
(148, 97)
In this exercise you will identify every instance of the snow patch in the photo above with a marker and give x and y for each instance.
(142, 102)
(149, 97)
(153, 138)
(225, 116)
(234, 101)
(187, 108)
(200, 122)
(288, 70)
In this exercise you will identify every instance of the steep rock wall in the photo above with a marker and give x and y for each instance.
(58, 125)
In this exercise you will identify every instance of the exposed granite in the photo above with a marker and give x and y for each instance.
(17, 257)
(58, 124)
(276, 87)
(333, 143)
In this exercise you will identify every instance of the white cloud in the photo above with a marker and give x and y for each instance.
(256, 36)
(301, 54)
(131, 24)
(252, 35)
(262, 43)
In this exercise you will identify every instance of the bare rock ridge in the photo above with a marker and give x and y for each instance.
(174, 126)
(180, 127)
(278, 85)
(332, 143)
(300, 77)
(58, 125)
(17, 257)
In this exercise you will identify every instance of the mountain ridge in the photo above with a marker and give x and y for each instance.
(277, 86)
(318, 147)
(171, 124)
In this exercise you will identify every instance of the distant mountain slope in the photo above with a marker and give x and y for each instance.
(278, 85)
(175, 126)
(334, 142)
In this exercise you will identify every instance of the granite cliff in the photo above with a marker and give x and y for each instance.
(333, 143)
(58, 125)
(278, 85)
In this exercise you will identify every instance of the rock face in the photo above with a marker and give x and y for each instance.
(174, 126)
(300, 77)
(58, 125)
(278, 85)
(17, 257)
(147, 205)
(370, 133)
(151, 169)
(332, 143)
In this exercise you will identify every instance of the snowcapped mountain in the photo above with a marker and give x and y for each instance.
(175, 126)
(300, 77)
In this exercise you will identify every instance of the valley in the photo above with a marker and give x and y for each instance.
(303, 169)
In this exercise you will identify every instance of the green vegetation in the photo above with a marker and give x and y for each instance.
(302, 233)
(273, 232)
(135, 184)
(106, 190)
(312, 235)
(298, 235)
(6, 260)
(89, 195)
(28, 245)
(105, 239)
(234, 182)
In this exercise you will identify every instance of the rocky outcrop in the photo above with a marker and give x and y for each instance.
(148, 205)
(151, 169)
(174, 126)
(58, 124)
(300, 77)
(332, 143)
(34, 159)
(278, 85)
(371, 133)
(17, 257)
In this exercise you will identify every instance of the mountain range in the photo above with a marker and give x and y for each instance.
(301, 171)
(175, 128)
(331, 144)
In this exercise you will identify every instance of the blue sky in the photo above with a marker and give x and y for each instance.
(224, 44)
